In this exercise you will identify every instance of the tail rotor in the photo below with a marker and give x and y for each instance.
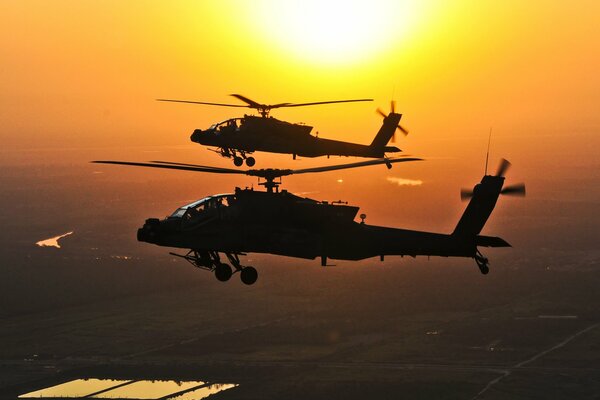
(393, 111)
(517, 189)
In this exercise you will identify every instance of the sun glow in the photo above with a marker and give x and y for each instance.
(336, 31)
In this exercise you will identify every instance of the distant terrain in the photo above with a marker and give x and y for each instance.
(104, 305)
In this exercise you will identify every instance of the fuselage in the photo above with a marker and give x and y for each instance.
(288, 225)
(252, 133)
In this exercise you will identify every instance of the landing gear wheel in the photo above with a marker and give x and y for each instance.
(249, 275)
(238, 161)
(223, 272)
(482, 262)
(250, 161)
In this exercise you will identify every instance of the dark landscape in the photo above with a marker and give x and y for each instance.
(105, 306)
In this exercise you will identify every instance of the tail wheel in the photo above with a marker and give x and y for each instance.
(249, 275)
(223, 272)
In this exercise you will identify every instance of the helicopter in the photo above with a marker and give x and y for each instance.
(237, 138)
(281, 223)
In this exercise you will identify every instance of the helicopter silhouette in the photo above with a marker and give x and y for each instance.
(281, 223)
(237, 138)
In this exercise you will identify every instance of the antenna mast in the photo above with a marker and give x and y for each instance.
(487, 156)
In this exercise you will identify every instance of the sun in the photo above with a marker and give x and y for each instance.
(335, 31)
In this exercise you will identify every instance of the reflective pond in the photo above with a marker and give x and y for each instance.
(131, 389)
(53, 241)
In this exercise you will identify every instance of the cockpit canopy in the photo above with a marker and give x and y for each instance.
(199, 206)
(228, 124)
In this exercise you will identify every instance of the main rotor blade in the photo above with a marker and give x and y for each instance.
(268, 173)
(279, 105)
(354, 165)
(251, 103)
(201, 102)
(321, 102)
(182, 167)
(517, 189)
(192, 165)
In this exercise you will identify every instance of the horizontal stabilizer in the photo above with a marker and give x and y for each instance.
(491, 241)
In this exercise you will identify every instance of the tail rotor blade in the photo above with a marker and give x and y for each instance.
(503, 167)
(393, 110)
(517, 189)
(466, 194)
(403, 130)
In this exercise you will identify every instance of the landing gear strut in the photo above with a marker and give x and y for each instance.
(482, 262)
(238, 157)
(211, 261)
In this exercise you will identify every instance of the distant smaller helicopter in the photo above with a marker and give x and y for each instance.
(282, 223)
(237, 138)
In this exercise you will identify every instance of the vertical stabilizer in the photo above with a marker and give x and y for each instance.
(483, 200)
(390, 123)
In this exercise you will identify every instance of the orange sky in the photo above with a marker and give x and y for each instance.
(83, 75)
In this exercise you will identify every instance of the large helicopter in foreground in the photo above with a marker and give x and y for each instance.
(281, 223)
(237, 138)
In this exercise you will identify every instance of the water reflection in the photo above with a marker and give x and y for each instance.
(53, 241)
(148, 390)
(204, 392)
(131, 389)
(76, 388)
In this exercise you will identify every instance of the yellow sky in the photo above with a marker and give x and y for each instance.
(84, 74)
